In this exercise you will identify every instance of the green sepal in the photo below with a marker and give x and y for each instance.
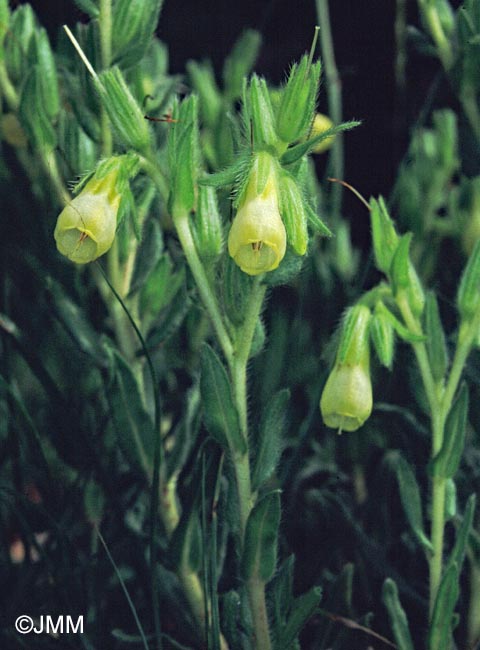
(411, 500)
(22, 26)
(42, 56)
(78, 148)
(457, 555)
(207, 225)
(297, 105)
(287, 271)
(240, 62)
(90, 7)
(404, 277)
(123, 110)
(354, 342)
(294, 213)
(403, 332)
(296, 152)
(315, 223)
(302, 610)
(447, 461)
(183, 156)
(231, 175)
(436, 344)
(468, 295)
(398, 618)
(259, 558)
(270, 439)
(440, 630)
(32, 112)
(219, 412)
(260, 112)
(134, 23)
(384, 235)
(132, 424)
(382, 334)
(203, 81)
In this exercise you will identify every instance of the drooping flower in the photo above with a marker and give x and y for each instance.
(347, 401)
(86, 227)
(257, 239)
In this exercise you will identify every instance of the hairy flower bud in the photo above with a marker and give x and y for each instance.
(257, 239)
(86, 226)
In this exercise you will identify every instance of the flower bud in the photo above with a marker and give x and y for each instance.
(322, 123)
(257, 239)
(347, 401)
(86, 226)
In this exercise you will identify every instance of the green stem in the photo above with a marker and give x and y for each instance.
(241, 462)
(334, 94)
(198, 271)
(105, 21)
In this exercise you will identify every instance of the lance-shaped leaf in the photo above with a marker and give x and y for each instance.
(468, 295)
(436, 345)
(296, 152)
(134, 22)
(261, 113)
(403, 332)
(148, 255)
(440, 632)
(183, 155)
(398, 618)
(240, 62)
(302, 609)
(270, 439)
(410, 498)
(219, 412)
(132, 423)
(383, 337)
(458, 553)
(259, 559)
(404, 276)
(447, 461)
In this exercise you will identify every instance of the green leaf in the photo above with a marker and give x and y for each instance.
(261, 114)
(89, 7)
(270, 439)
(440, 632)
(316, 224)
(132, 424)
(171, 317)
(403, 332)
(410, 498)
(219, 412)
(398, 618)
(148, 255)
(383, 336)
(296, 152)
(462, 537)
(240, 62)
(260, 549)
(48, 79)
(303, 608)
(237, 286)
(447, 461)
(468, 295)
(436, 345)
(33, 114)
(134, 23)
(183, 156)
(78, 327)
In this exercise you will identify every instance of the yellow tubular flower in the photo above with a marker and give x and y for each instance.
(347, 398)
(257, 239)
(86, 227)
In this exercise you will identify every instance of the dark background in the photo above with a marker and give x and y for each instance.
(364, 41)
